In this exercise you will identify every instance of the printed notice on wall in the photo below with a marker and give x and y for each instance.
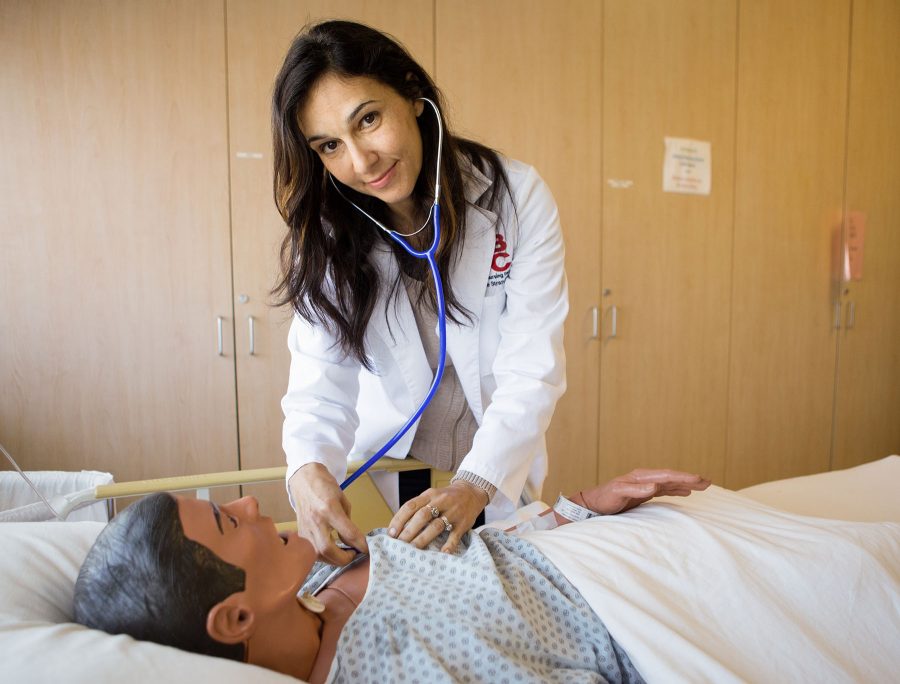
(688, 166)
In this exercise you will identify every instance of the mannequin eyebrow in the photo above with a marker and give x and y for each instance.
(215, 510)
(350, 118)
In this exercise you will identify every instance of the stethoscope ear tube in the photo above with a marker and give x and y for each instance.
(442, 338)
(431, 256)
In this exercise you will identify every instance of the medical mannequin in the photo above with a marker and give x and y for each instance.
(353, 134)
(260, 615)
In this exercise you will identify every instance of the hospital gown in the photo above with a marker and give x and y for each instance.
(496, 611)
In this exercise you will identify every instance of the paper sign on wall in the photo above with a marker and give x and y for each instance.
(853, 248)
(688, 166)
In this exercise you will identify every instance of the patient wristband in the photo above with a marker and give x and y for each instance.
(572, 511)
(543, 521)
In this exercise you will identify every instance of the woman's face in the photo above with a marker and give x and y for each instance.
(367, 137)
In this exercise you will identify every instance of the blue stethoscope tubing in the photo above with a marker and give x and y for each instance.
(430, 256)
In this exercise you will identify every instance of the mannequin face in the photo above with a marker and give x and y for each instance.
(275, 567)
(366, 135)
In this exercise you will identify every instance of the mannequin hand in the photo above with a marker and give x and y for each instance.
(638, 486)
(459, 502)
(321, 508)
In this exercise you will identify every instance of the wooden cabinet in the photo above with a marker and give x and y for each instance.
(815, 368)
(867, 391)
(789, 187)
(668, 70)
(734, 352)
(137, 210)
(115, 261)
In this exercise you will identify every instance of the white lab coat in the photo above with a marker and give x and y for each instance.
(510, 363)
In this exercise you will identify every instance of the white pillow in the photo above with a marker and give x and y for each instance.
(864, 493)
(38, 566)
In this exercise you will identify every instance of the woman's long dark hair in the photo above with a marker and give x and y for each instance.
(326, 274)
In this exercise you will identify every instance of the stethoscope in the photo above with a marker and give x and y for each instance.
(429, 255)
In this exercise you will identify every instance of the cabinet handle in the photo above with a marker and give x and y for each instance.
(851, 314)
(219, 335)
(595, 323)
(252, 336)
(614, 323)
(837, 316)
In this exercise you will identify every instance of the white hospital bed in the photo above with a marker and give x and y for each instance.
(744, 602)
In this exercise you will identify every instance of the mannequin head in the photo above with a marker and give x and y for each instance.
(212, 579)
(144, 578)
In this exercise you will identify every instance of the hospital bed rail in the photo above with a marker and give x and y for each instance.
(202, 483)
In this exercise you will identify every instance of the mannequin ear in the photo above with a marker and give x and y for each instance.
(419, 107)
(230, 621)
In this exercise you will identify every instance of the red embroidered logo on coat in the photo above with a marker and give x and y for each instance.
(501, 262)
(500, 265)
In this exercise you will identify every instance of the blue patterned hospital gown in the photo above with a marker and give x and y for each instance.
(497, 611)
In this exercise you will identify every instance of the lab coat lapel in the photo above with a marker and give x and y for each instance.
(402, 337)
(470, 277)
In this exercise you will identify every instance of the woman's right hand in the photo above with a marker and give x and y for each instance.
(321, 508)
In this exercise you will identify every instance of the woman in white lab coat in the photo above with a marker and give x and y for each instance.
(363, 343)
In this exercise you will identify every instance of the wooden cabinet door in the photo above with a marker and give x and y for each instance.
(115, 259)
(867, 397)
(524, 78)
(259, 35)
(789, 189)
(668, 70)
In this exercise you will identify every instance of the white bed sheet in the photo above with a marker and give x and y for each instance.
(720, 588)
(717, 630)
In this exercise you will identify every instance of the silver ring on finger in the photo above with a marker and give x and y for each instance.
(435, 512)
(448, 526)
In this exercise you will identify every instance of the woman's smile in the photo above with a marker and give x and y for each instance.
(384, 178)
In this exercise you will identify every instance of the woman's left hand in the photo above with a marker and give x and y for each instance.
(423, 518)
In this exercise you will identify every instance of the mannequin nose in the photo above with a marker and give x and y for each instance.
(249, 506)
